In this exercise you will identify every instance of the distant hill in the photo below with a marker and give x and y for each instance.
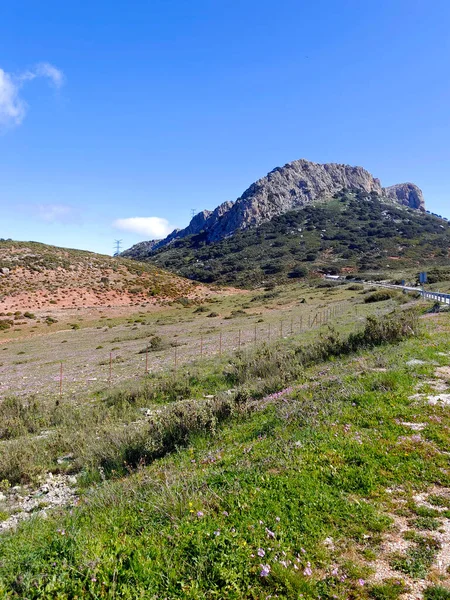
(297, 184)
(34, 275)
(349, 233)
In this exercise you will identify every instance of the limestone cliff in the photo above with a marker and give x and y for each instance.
(285, 188)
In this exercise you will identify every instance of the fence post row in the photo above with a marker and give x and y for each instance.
(321, 317)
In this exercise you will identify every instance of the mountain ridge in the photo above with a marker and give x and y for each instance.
(354, 232)
(295, 185)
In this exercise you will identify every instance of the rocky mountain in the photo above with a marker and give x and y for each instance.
(284, 189)
(351, 233)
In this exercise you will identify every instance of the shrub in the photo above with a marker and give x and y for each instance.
(120, 449)
(201, 309)
(50, 320)
(18, 417)
(5, 324)
(155, 343)
(298, 272)
(380, 296)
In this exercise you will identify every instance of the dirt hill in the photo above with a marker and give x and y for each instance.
(37, 276)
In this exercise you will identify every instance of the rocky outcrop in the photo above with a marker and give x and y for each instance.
(285, 188)
(407, 194)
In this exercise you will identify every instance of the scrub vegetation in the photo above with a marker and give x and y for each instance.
(299, 468)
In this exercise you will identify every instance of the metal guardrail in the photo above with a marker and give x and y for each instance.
(437, 296)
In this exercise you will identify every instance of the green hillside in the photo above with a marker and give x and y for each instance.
(350, 233)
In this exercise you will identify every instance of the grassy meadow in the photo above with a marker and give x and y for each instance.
(312, 465)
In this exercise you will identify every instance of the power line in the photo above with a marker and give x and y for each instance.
(117, 247)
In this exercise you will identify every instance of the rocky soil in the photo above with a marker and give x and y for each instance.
(22, 502)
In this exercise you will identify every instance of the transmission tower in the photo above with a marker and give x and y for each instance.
(118, 247)
(193, 212)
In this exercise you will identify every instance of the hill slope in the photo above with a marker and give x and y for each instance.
(34, 275)
(350, 233)
(293, 186)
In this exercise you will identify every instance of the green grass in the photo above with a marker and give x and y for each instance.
(418, 558)
(389, 590)
(111, 432)
(437, 593)
(276, 474)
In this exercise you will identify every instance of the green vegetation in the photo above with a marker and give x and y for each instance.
(95, 434)
(274, 485)
(437, 593)
(391, 589)
(352, 233)
(418, 558)
(380, 296)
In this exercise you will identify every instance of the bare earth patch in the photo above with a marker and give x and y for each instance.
(23, 502)
(395, 543)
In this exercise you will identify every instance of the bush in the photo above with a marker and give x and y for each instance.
(18, 417)
(201, 309)
(5, 324)
(298, 272)
(377, 331)
(155, 343)
(120, 449)
(380, 296)
(50, 320)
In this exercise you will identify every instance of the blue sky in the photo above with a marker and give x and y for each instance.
(113, 110)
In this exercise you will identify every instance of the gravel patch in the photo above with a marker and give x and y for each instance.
(55, 492)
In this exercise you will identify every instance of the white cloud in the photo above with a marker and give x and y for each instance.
(44, 69)
(12, 107)
(152, 227)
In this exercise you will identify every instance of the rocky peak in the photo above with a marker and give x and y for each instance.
(407, 194)
(293, 186)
